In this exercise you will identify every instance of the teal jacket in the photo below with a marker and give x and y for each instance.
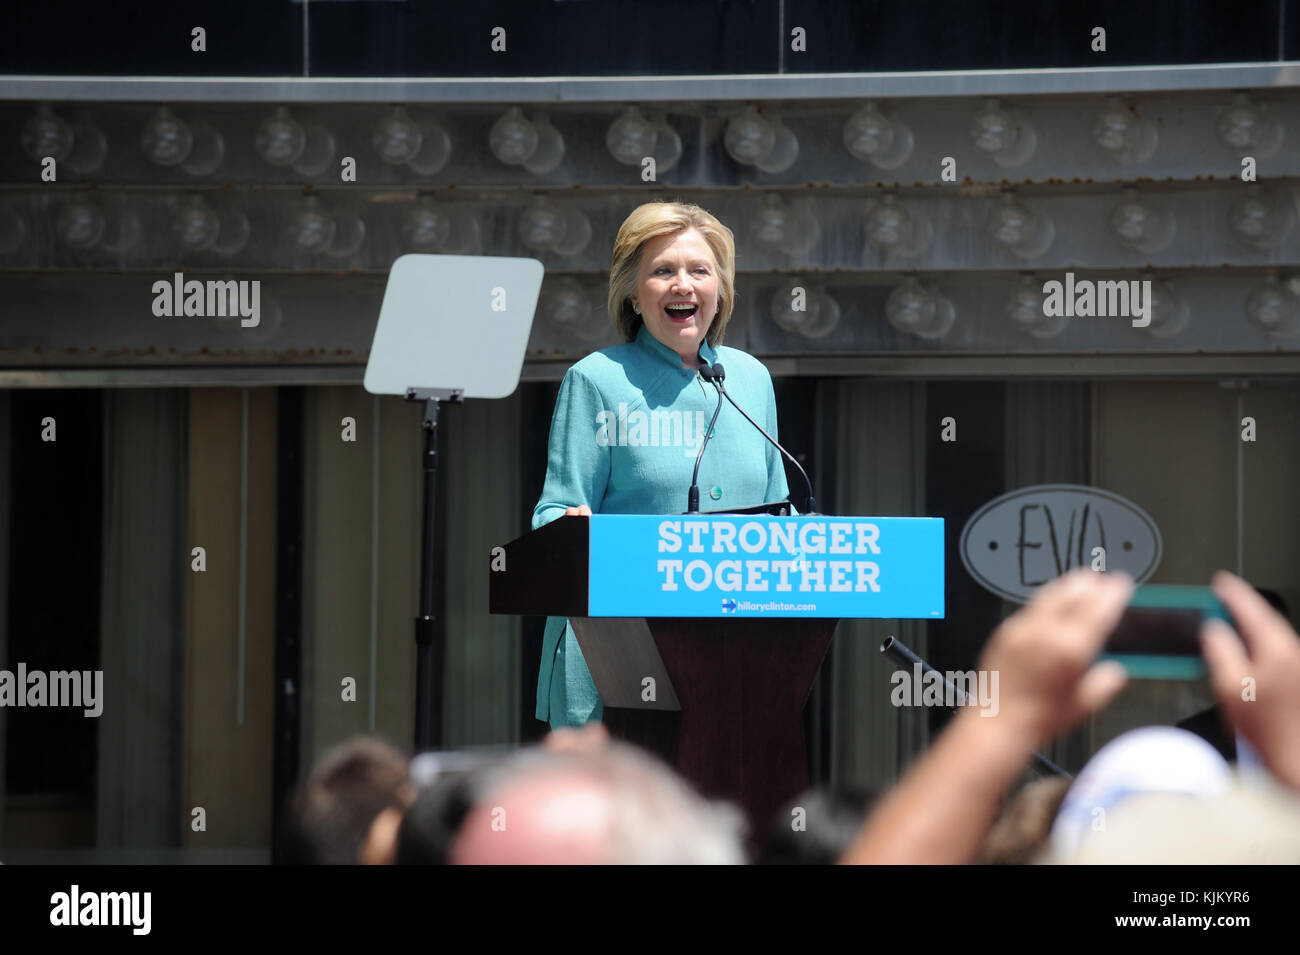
(624, 435)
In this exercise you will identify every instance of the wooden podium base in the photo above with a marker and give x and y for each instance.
(742, 684)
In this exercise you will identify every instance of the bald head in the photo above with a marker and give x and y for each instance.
(610, 805)
(556, 818)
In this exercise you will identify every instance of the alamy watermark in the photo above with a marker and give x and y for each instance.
(950, 688)
(77, 688)
(130, 909)
(1086, 298)
(211, 299)
(658, 428)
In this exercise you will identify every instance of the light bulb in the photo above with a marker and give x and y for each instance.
(208, 151)
(1025, 302)
(818, 317)
(271, 319)
(782, 306)
(824, 318)
(1120, 132)
(565, 304)
(889, 227)
(1024, 306)
(195, 224)
(919, 310)
(47, 134)
(778, 228)
(166, 139)
(1169, 313)
(784, 151)
(773, 224)
(317, 151)
(550, 146)
(668, 145)
(749, 136)
(465, 236)
(280, 139)
(1019, 229)
(80, 223)
(1004, 135)
(122, 228)
(349, 236)
(872, 137)
(910, 306)
(311, 227)
(892, 228)
(397, 138)
(425, 226)
(1247, 125)
(1111, 128)
(631, 137)
(992, 130)
(868, 133)
(435, 150)
(542, 225)
(1273, 308)
(1261, 219)
(234, 232)
(577, 232)
(1140, 223)
(513, 139)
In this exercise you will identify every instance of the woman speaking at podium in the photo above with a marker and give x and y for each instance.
(629, 418)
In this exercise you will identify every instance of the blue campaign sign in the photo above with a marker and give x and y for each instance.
(646, 565)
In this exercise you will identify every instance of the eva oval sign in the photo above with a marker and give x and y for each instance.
(1023, 539)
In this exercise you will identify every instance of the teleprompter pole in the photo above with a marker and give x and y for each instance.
(903, 654)
(428, 663)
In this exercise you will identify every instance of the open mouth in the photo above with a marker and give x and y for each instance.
(681, 313)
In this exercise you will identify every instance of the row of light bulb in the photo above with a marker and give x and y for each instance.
(167, 140)
(1260, 217)
(1004, 133)
(201, 224)
(309, 148)
(921, 309)
(1007, 136)
(86, 222)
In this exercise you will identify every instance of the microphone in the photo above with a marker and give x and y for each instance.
(693, 495)
(715, 376)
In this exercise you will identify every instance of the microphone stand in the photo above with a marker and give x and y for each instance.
(901, 654)
(693, 495)
(716, 374)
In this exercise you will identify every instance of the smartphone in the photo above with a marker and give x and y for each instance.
(1159, 635)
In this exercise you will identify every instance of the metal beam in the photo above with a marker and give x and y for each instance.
(1022, 367)
(577, 89)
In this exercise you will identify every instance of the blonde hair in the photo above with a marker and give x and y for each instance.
(649, 221)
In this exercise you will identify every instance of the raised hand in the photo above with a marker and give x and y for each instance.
(1257, 678)
(1045, 654)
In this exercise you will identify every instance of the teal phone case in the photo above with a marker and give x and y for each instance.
(1153, 666)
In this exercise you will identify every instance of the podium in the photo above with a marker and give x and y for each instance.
(703, 633)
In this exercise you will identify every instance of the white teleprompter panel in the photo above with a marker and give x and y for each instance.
(454, 321)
